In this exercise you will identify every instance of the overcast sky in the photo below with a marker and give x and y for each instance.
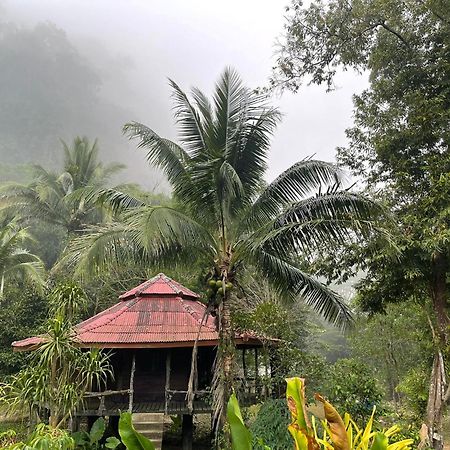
(137, 44)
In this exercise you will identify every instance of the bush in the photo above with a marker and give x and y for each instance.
(352, 388)
(270, 426)
(414, 388)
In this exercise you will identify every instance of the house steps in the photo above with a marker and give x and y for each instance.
(151, 425)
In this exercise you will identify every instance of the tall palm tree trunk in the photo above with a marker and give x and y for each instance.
(227, 358)
(227, 343)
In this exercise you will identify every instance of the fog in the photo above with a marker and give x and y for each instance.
(128, 49)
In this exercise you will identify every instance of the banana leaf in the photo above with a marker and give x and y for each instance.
(132, 439)
(241, 437)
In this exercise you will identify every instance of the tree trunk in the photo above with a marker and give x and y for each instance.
(227, 356)
(436, 403)
(439, 294)
(437, 397)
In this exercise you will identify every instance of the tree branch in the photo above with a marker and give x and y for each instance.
(395, 33)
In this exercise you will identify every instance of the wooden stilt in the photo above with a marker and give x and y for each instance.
(256, 371)
(113, 425)
(131, 397)
(187, 429)
(167, 388)
(90, 422)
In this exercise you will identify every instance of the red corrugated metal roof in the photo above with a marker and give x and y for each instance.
(156, 313)
(148, 319)
(160, 285)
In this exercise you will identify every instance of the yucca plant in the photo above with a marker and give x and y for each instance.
(57, 376)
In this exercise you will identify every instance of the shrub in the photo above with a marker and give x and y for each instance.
(414, 387)
(270, 426)
(352, 388)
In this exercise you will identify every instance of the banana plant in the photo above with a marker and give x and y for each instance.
(132, 439)
(338, 433)
(241, 438)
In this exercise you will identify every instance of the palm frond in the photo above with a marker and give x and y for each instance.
(157, 228)
(190, 122)
(292, 282)
(194, 185)
(111, 199)
(66, 181)
(101, 247)
(229, 102)
(161, 153)
(337, 218)
(81, 161)
(32, 271)
(294, 184)
(230, 187)
(104, 173)
(206, 111)
(248, 154)
(29, 203)
(150, 235)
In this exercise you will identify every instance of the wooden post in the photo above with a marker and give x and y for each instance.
(133, 369)
(168, 360)
(256, 371)
(187, 429)
(245, 384)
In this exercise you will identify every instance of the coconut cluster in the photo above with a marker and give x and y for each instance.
(215, 287)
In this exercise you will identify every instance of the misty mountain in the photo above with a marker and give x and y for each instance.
(49, 91)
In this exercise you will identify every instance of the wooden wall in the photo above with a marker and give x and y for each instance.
(150, 373)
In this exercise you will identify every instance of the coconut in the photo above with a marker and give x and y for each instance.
(212, 283)
(219, 283)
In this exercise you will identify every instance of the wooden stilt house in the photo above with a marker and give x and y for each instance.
(151, 332)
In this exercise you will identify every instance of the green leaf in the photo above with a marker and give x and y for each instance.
(81, 438)
(295, 395)
(97, 430)
(380, 442)
(112, 442)
(240, 436)
(130, 437)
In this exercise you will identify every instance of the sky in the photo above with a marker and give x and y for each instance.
(136, 45)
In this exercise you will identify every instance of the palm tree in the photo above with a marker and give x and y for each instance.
(227, 216)
(15, 261)
(57, 198)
